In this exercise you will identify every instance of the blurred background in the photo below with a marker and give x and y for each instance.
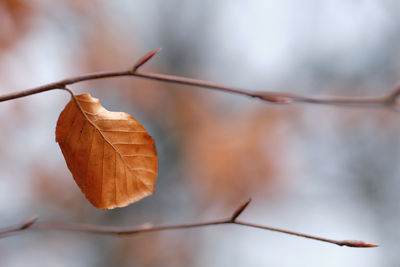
(321, 170)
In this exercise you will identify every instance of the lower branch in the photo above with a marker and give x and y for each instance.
(32, 224)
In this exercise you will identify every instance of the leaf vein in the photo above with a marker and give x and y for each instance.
(140, 155)
(141, 169)
(123, 131)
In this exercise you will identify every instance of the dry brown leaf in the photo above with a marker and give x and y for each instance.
(110, 155)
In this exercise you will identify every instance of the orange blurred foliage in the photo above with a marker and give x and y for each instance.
(229, 155)
(15, 18)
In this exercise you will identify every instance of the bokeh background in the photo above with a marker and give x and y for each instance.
(322, 170)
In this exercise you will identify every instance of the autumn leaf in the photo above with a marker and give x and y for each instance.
(110, 155)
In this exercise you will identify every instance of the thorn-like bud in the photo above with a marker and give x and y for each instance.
(358, 244)
(28, 222)
(141, 61)
(239, 210)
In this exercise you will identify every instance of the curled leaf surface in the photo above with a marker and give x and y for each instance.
(110, 154)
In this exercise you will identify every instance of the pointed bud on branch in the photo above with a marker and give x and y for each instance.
(357, 244)
(239, 210)
(29, 222)
(141, 61)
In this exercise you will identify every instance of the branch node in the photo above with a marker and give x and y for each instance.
(239, 210)
(141, 61)
(275, 99)
(146, 226)
(393, 98)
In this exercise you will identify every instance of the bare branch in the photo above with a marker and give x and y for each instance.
(349, 243)
(19, 227)
(32, 224)
(387, 101)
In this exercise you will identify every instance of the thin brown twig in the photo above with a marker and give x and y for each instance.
(31, 224)
(19, 227)
(387, 101)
